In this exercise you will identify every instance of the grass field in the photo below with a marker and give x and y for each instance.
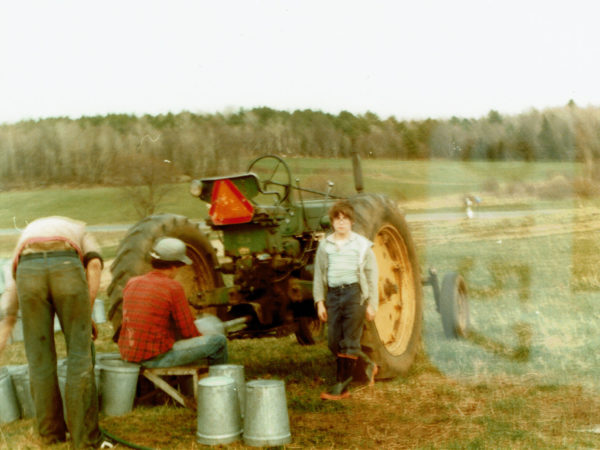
(527, 376)
(417, 185)
(533, 289)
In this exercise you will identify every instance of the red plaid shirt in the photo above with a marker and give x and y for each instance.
(155, 315)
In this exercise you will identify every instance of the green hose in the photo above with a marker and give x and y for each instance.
(106, 433)
(122, 441)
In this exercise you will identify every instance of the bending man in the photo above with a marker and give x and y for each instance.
(56, 269)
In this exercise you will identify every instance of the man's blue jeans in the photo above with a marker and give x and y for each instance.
(194, 350)
(48, 283)
(345, 317)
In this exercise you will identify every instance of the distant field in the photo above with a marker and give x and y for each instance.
(419, 185)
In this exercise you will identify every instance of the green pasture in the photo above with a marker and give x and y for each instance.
(94, 205)
(405, 181)
(534, 293)
(420, 180)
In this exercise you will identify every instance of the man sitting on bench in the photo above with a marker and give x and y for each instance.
(156, 313)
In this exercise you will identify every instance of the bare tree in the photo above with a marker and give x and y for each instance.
(145, 179)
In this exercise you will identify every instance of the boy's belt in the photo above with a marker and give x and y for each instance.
(342, 287)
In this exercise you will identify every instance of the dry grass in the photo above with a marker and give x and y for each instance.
(425, 409)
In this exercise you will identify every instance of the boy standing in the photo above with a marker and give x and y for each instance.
(345, 293)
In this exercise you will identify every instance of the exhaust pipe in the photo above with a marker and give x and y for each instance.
(357, 169)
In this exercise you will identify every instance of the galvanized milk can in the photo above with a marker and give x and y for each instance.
(9, 405)
(118, 381)
(20, 379)
(98, 311)
(236, 372)
(266, 423)
(219, 420)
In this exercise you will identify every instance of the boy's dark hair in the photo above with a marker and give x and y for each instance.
(342, 207)
(160, 264)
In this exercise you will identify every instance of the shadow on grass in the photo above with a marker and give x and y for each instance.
(519, 353)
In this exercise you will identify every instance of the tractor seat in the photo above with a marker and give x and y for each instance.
(247, 183)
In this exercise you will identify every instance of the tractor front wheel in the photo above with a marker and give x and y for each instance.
(454, 306)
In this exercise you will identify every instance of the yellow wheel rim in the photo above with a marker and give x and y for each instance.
(395, 319)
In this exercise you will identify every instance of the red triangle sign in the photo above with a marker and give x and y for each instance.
(228, 204)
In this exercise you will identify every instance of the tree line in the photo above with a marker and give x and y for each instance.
(120, 149)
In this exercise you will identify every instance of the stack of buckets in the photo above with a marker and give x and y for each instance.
(9, 403)
(15, 395)
(116, 382)
(229, 409)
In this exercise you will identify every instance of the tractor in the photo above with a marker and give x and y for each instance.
(260, 283)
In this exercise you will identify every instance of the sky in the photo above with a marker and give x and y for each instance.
(407, 59)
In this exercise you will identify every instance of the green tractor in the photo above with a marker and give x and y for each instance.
(269, 230)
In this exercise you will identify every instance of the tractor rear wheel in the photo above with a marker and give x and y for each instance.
(393, 339)
(133, 259)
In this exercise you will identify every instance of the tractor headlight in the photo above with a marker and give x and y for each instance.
(196, 188)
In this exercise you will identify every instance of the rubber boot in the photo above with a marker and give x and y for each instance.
(371, 369)
(348, 371)
(345, 366)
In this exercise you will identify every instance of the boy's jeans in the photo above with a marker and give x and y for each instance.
(345, 317)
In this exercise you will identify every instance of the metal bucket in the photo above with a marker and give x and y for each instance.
(118, 382)
(100, 356)
(266, 423)
(9, 404)
(57, 326)
(17, 331)
(62, 380)
(20, 379)
(219, 420)
(209, 325)
(61, 370)
(98, 312)
(236, 372)
(97, 379)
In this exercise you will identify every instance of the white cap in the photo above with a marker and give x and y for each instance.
(170, 249)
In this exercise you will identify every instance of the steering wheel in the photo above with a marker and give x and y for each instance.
(273, 171)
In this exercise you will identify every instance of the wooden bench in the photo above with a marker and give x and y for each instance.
(156, 376)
